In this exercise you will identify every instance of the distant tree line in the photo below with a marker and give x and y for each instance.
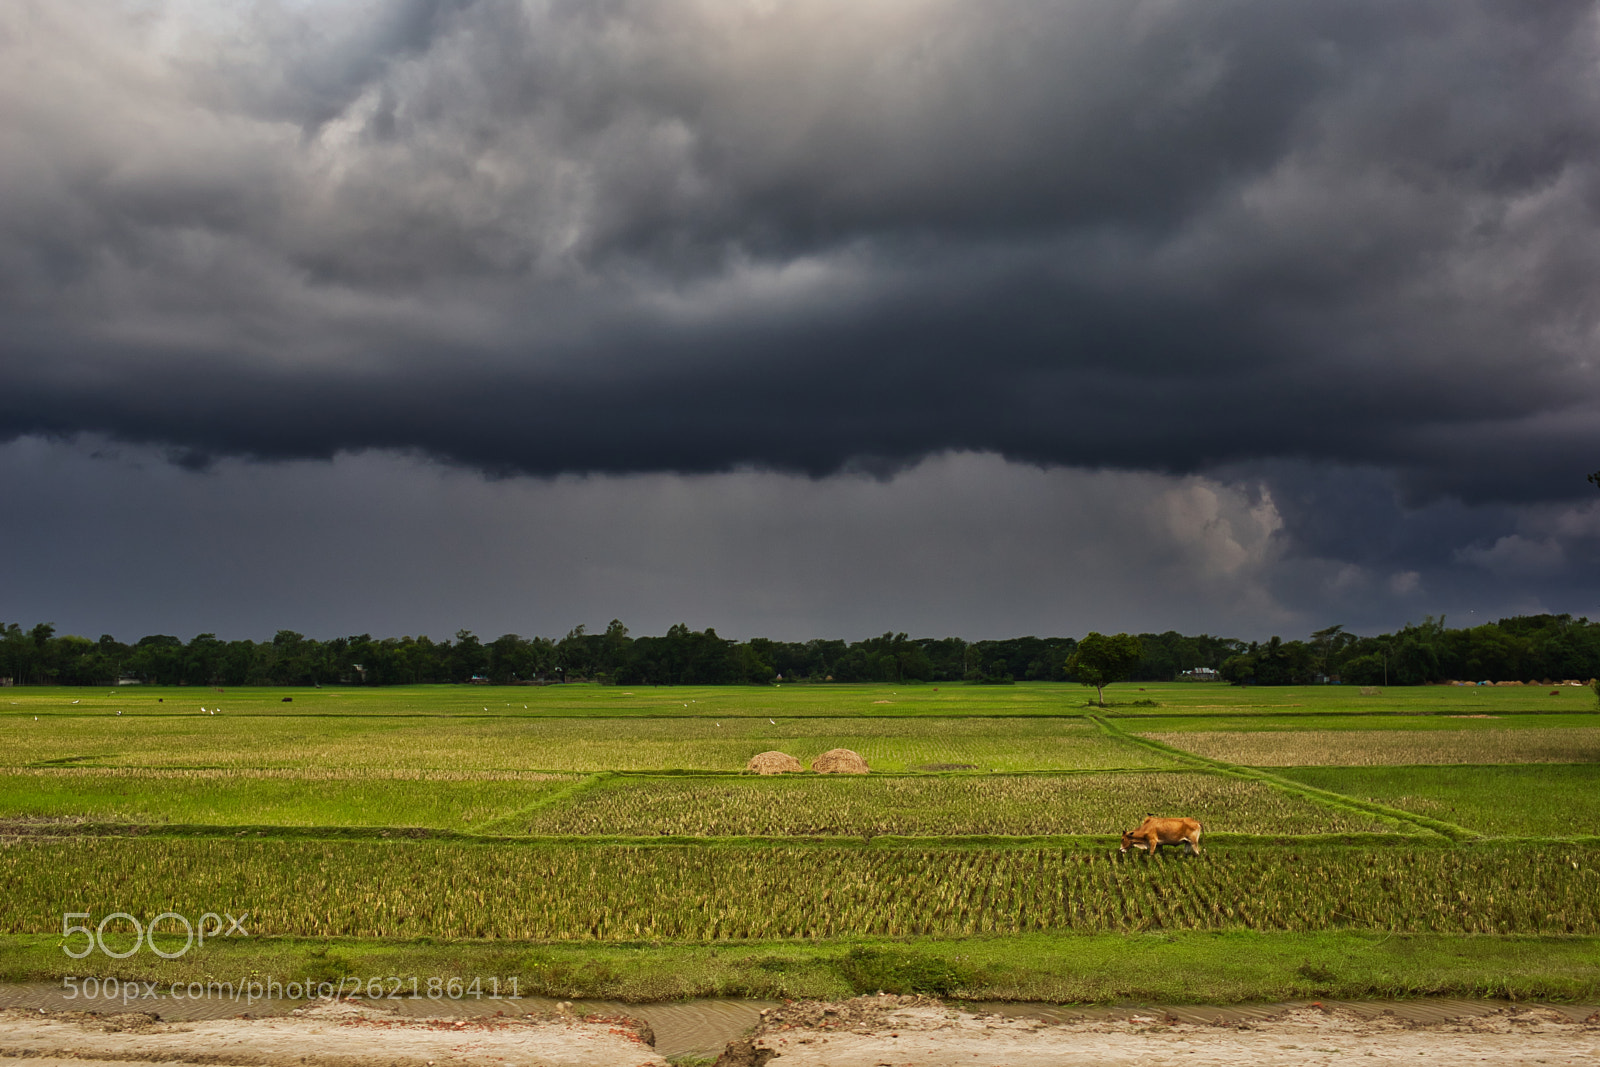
(1533, 648)
(1524, 648)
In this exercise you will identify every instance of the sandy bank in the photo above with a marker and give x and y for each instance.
(327, 1035)
(895, 1031)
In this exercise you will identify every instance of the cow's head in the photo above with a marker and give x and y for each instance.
(1129, 842)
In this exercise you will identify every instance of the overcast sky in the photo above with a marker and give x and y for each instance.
(797, 319)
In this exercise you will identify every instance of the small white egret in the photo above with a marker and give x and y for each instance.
(74, 701)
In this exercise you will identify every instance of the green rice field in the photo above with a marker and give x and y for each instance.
(392, 820)
(254, 797)
(517, 743)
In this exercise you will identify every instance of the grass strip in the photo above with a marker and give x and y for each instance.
(1166, 968)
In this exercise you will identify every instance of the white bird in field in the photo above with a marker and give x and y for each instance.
(771, 721)
(74, 701)
(119, 711)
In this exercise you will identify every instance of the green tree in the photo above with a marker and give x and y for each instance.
(1238, 669)
(468, 658)
(1101, 660)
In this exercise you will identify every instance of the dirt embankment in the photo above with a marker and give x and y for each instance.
(326, 1035)
(882, 1031)
(891, 1031)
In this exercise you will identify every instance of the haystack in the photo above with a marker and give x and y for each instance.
(773, 763)
(839, 761)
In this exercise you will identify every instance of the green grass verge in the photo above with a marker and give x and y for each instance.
(1170, 968)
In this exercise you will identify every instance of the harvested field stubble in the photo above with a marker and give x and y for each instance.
(1367, 748)
(1101, 803)
(626, 893)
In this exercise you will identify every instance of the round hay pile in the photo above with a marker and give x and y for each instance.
(839, 761)
(773, 763)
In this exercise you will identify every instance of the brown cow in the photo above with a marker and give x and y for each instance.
(1151, 834)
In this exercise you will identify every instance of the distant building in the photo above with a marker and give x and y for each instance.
(1200, 674)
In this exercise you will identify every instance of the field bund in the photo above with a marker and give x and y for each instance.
(591, 841)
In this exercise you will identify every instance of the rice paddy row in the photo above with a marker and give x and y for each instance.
(621, 893)
(637, 805)
(1101, 803)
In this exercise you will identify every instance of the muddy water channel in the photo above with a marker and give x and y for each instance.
(701, 1027)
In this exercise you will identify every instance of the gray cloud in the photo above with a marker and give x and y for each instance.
(1341, 255)
(961, 544)
(109, 538)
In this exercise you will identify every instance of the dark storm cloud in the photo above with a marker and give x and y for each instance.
(614, 237)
